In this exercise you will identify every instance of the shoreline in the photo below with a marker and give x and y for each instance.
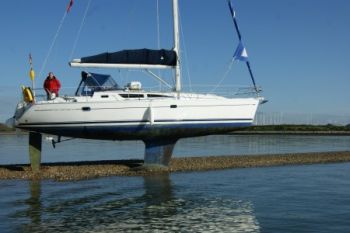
(297, 133)
(65, 171)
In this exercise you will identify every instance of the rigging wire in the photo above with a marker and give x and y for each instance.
(158, 39)
(53, 43)
(223, 77)
(79, 31)
(185, 53)
(233, 14)
(158, 25)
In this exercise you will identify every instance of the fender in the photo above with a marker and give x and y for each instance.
(28, 96)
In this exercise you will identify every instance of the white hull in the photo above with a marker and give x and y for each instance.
(71, 116)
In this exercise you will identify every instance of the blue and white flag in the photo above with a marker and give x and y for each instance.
(240, 53)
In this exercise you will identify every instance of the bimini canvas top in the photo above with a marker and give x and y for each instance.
(135, 56)
(91, 82)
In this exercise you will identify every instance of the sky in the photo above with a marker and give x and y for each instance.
(299, 50)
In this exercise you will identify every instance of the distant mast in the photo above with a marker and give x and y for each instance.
(177, 45)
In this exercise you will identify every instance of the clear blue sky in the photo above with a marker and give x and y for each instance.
(299, 50)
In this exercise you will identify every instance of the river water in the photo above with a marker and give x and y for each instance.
(14, 148)
(307, 198)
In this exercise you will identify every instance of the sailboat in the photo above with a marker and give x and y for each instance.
(101, 109)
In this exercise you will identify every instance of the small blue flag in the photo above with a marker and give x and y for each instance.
(240, 53)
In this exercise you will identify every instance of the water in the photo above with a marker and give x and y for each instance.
(312, 198)
(14, 148)
(308, 198)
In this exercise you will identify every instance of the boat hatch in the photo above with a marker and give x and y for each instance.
(91, 82)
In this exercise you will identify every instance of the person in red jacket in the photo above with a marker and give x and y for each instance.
(52, 86)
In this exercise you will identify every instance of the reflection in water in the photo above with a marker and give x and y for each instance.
(32, 215)
(34, 203)
(129, 207)
(158, 193)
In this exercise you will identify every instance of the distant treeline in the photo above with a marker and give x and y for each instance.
(299, 128)
(4, 128)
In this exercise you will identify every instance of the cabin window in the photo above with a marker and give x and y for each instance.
(156, 95)
(132, 95)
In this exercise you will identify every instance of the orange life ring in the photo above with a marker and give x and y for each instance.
(28, 94)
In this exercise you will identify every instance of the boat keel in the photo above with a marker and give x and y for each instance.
(158, 152)
(35, 150)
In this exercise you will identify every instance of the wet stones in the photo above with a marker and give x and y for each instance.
(95, 169)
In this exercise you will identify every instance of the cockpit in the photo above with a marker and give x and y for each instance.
(91, 82)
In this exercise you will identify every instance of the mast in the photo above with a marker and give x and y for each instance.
(105, 60)
(177, 45)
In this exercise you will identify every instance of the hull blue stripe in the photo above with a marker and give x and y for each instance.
(131, 122)
(140, 132)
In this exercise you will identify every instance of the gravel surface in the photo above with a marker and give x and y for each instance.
(94, 169)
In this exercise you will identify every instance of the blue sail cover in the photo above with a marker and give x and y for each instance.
(136, 56)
